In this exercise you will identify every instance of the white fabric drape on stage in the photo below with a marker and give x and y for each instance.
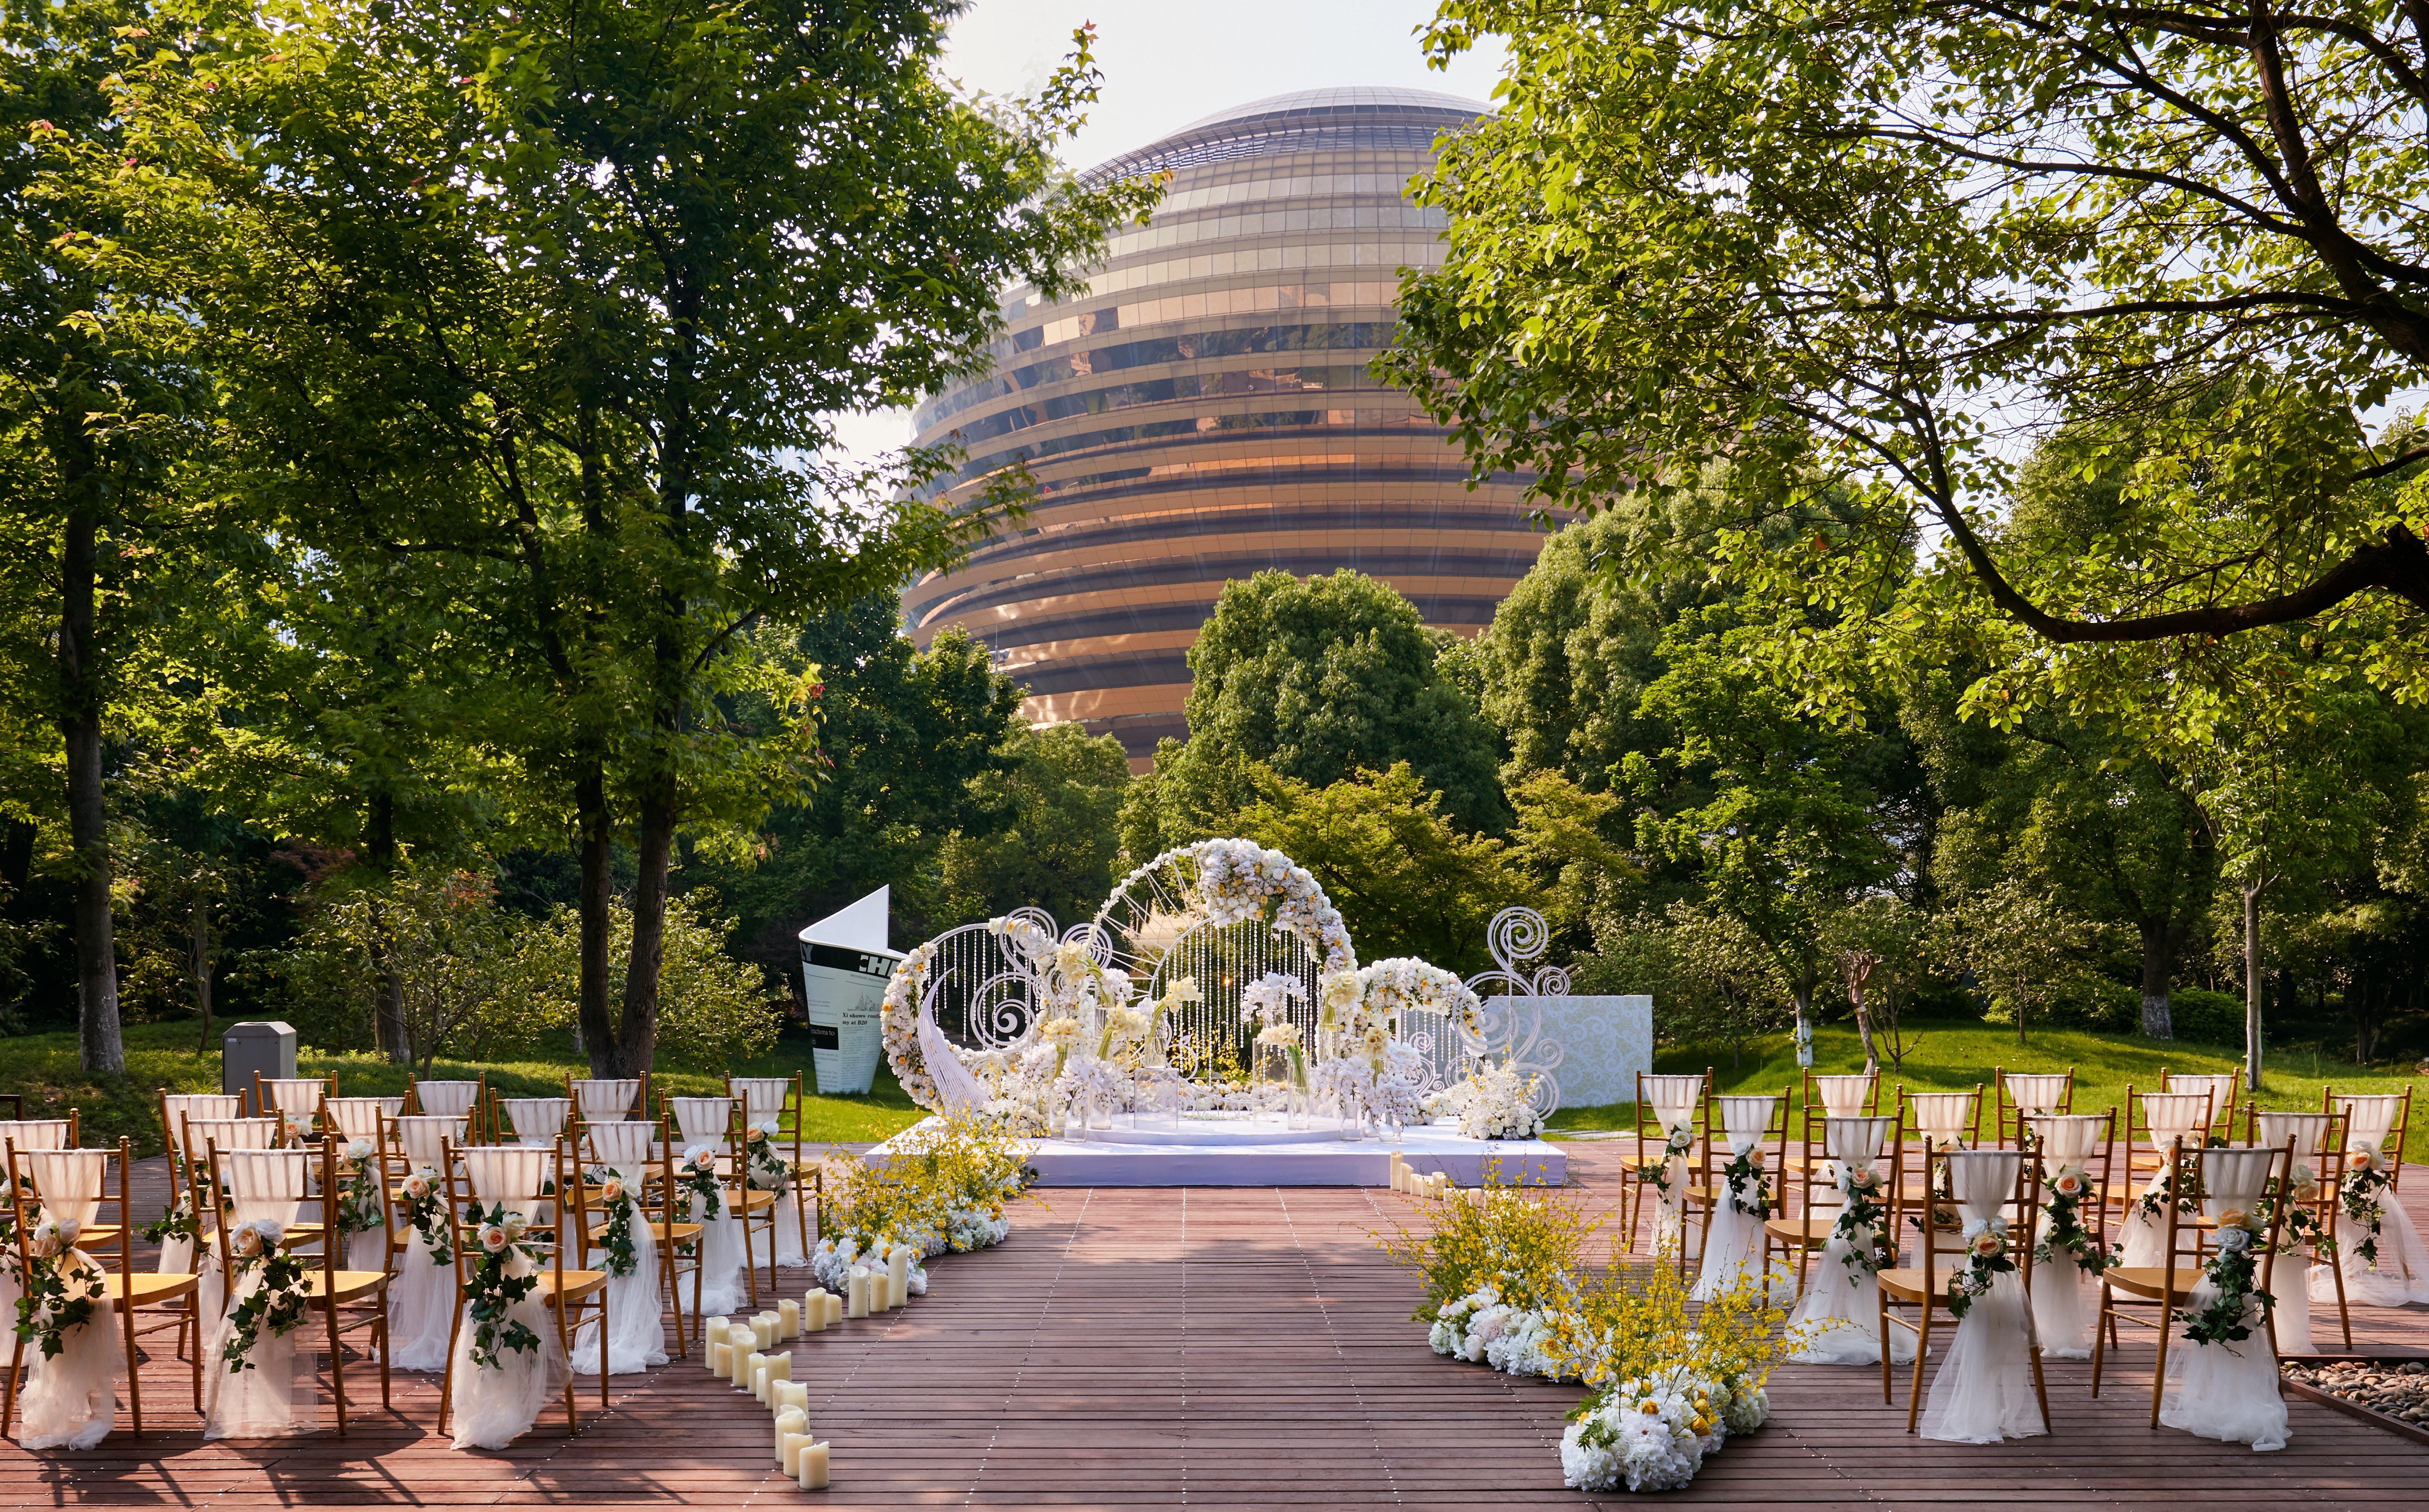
(274, 1396)
(1983, 1391)
(494, 1406)
(71, 1399)
(2065, 1299)
(1839, 1313)
(636, 1333)
(2227, 1390)
(1733, 1237)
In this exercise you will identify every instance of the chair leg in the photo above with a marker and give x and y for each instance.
(2343, 1318)
(2040, 1387)
(1922, 1352)
(379, 1331)
(195, 1360)
(1881, 1310)
(602, 1343)
(565, 1347)
(2104, 1330)
(8, 1400)
(337, 1363)
(2159, 1370)
(134, 1364)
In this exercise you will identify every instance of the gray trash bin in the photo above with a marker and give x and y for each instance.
(267, 1046)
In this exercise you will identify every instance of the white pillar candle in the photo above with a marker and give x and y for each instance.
(897, 1277)
(792, 1421)
(834, 1308)
(856, 1294)
(789, 1318)
(790, 1394)
(763, 1330)
(711, 1331)
(789, 1448)
(760, 1376)
(1399, 1172)
(721, 1359)
(780, 1368)
(747, 1375)
(814, 1311)
(813, 1474)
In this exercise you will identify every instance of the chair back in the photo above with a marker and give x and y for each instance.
(704, 1121)
(509, 1174)
(2222, 1088)
(1849, 1096)
(603, 1101)
(1673, 1100)
(265, 1184)
(446, 1099)
(69, 1182)
(2308, 1133)
(538, 1120)
(1950, 1120)
(624, 1146)
(230, 1134)
(2069, 1139)
(424, 1137)
(362, 1117)
(298, 1097)
(2019, 1093)
(2175, 1117)
(1985, 1184)
(38, 1133)
(177, 1107)
(763, 1098)
(2370, 1120)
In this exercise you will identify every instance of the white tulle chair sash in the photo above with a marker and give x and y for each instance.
(180, 1107)
(538, 1120)
(445, 1099)
(1733, 1242)
(637, 1338)
(363, 1118)
(2219, 1089)
(606, 1099)
(35, 1133)
(2227, 1390)
(274, 1395)
(1838, 1316)
(1672, 1099)
(508, 1173)
(762, 1098)
(298, 1097)
(1983, 1392)
(1945, 1118)
(2038, 1092)
(231, 1134)
(2066, 1138)
(2175, 1115)
(1844, 1096)
(424, 1138)
(2369, 1118)
(2308, 1132)
(703, 1120)
(493, 1406)
(623, 1146)
(2064, 1306)
(69, 1400)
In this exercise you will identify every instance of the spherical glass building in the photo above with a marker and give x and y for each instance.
(1204, 412)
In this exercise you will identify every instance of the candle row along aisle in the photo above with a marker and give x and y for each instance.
(1506, 1280)
(1435, 1185)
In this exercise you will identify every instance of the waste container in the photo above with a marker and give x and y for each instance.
(263, 1045)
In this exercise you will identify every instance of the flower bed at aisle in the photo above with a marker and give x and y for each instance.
(1211, 1025)
(1508, 1286)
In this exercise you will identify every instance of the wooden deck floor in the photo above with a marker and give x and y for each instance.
(1232, 1348)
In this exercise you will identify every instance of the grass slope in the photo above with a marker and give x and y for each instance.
(1953, 1057)
(44, 1068)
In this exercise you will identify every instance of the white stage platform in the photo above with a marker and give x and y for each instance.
(1265, 1152)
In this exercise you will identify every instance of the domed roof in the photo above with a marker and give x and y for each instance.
(1345, 118)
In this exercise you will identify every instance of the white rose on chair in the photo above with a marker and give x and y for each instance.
(257, 1239)
(54, 1236)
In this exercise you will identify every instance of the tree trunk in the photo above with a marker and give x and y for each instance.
(637, 1037)
(2159, 979)
(1864, 1032)
(1802, 995)
(199, 944)
(98, 1048)
(388, 989)
(599, 1039)
(16, 866)
(2252, 982)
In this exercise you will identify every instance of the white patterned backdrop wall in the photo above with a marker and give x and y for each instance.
(1605, 1041)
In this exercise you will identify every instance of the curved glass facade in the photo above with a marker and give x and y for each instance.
(1204, 412)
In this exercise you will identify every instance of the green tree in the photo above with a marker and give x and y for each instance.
(1406, 879)
(577, 307)
(1317, 678)
(2026, 948)
(1874, 256)
(1063, 795)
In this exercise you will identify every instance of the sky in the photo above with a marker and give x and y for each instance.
(1168, 62)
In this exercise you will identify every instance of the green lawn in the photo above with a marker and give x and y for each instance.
(43, 1067)
(1954, 1056)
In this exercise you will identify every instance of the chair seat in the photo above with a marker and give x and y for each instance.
(352, 1286)
(572, 1287)
(1905, 1282)
(2145, 1280)
(1811, 1230)
(676, 1233)
(752, 1199)
(150, 1286)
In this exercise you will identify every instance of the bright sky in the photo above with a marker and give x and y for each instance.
(1168, 62)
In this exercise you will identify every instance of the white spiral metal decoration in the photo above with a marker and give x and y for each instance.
(1513, 1028)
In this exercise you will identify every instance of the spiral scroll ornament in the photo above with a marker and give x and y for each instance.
(1512, 1025)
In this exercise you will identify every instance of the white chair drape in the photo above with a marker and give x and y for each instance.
(1844, 1096)
(763, 1102)
(763, 1097)
(704, 1121)
(1983, 1391)
(421, 1299)
(2065, 1299)
(492, 1406)
(1945, 1118)
(2037, 1091)
(35, 1133)
(636, 1332)
(1733, 1234)
(538, 1120)
(71, 1399)
(2227, 1390)
(2182, 1116)
(298, 1097)
(2218, 1087)
(446, 1099)
(363, 1118)
(1840, 1315)
(1674, 1100)
(2400, 1272)
(274, 1396)
(607, 1099)
(2291, 1286)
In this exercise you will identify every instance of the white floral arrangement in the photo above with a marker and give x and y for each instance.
(1482, 1330)
(1239, 879)
(1653, 1433)
(1086, 1079)
(1393, 987)
(1268, 1000)
(898, 1012)
(833, 1261)
(1492, 1103)
(1269, 1097)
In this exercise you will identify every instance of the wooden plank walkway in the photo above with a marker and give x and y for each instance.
(1228, 1348)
